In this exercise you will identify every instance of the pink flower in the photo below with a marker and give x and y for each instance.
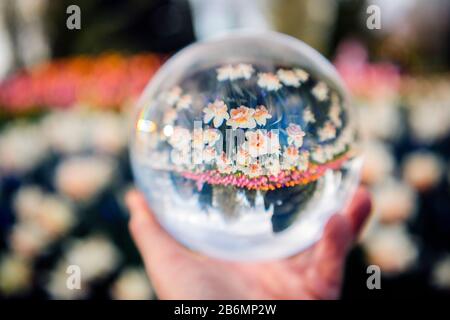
(216, 111)
(242, 117)
(261, 115)
(295, 134)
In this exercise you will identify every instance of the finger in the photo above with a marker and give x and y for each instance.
(331, 250)
(326, 265)
(359, 210)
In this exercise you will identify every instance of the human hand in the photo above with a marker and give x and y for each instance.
(179, 273)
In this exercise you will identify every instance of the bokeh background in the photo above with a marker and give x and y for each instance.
(66, 96)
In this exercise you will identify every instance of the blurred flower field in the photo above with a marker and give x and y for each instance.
(64, 171)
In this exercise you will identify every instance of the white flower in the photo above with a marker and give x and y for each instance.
(225, 73)
(303, 161)
(274, 142)
(28, 240)
(132, 284)
(295, 134)
(378, 164)
(42, 217)
(216, 111)
(243, 157)
(288, 77)
(243, 70)
(320, 91)
(308, 116)
(180, 138)
(391, 248)
(81, 178)
(228, 72)
(253, 170)
(173, 95)
(441, 273)
(301, 74)
(290, 155)
(319, 155)
(335, 111)
(15, 275)
(66, 131)
(197, 156)
(184, 102)
(224, 164)
(327, 132)
(56, 216)
(422, 170)
(269, 81)
(257, 143)
(261, 115)
(197, 138)
(242, 117)
(26, 203)
(272, 165)
(180, 157)
(22, 147)
(211, 136)
(57, 285)
(394, 201)
(109, 133)
(170, 116)
(96, 255)
(209, 154)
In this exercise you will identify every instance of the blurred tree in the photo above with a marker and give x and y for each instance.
(126, 26)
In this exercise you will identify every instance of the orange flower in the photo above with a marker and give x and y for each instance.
(242, 117)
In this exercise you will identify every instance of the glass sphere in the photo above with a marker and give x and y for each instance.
(244, 146)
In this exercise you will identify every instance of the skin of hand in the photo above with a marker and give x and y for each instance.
(179, 273)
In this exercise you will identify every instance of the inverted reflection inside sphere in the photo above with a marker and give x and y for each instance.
(244, 146)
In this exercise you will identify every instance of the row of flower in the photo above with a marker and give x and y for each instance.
(271, 81)
(259, 154)
(106, 81)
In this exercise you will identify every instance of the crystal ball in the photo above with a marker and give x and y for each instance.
(244, 146)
